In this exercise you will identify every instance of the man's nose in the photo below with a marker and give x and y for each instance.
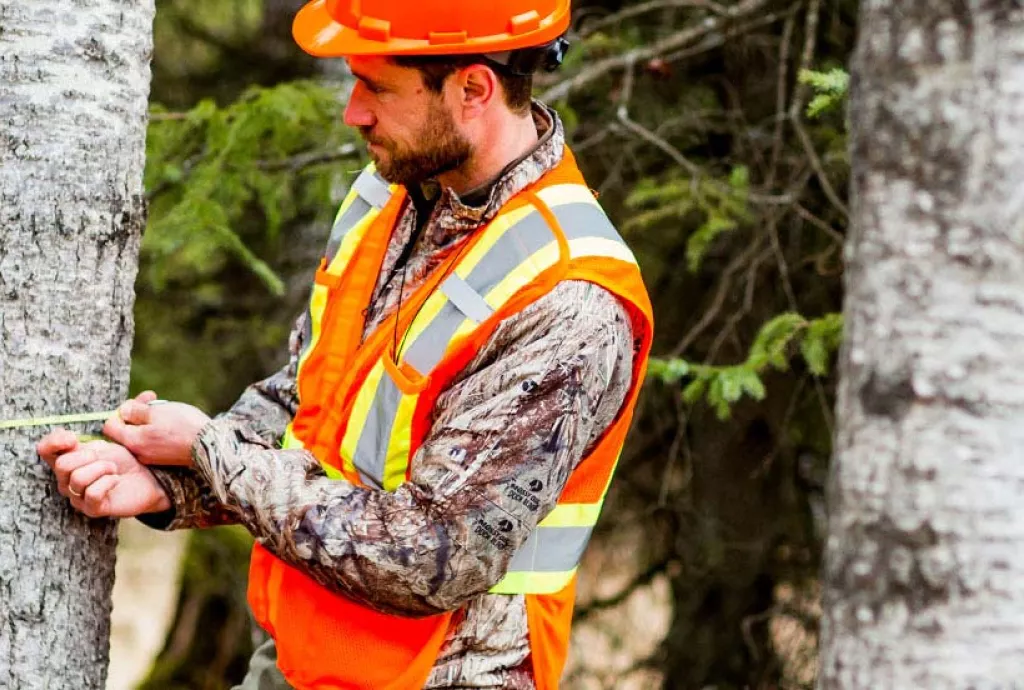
(356, 112)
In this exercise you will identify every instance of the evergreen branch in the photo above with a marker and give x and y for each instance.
(167, 117)
(293, 164)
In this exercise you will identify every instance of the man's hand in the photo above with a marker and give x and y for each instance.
(101, 479)
(160, 434)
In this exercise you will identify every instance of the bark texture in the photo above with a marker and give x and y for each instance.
(925, 556)
(74, 84)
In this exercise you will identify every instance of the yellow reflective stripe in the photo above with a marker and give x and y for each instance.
(289, 442)
(525, 273)
(553, 196)
(547, 257)
(353, 194)
(600, 246)
(317, 304)
(351, 241)
(400, 443)
(332, 472)
(573, 515)
(431, 308)
(525, 582)
(345, 204)
(319, 293)
(360, 411)
(496, 228)
(559, 194)
(435, 303)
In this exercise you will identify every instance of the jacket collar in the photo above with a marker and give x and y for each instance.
(454, 215)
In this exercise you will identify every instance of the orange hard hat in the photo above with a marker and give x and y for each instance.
(337, 28)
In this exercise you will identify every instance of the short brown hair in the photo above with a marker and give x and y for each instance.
(437, 68)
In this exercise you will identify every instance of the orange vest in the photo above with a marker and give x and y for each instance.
(365, 410)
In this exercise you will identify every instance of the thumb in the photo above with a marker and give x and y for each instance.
(126, 435)
(134, 412)
(146, 397)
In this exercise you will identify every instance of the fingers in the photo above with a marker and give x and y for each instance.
(56, 443)
(146, 397)
(67, 463)
(94, 500)
(134, 412)
(82, 479)
(128, 435)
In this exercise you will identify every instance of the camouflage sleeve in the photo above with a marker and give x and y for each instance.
(505, 437)
(266, 408)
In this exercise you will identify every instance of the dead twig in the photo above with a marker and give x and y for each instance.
(796, 109)
(641, 580)
(305, 160)
(668, 44)
(832, 233)
(718, 302)
(780, 99)
(645, 7)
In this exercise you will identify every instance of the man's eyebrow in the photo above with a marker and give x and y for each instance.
(365, 79)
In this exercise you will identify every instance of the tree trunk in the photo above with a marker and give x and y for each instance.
(925, 558)
(74, 82)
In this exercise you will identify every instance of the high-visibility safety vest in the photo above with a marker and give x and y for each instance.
(364, 410)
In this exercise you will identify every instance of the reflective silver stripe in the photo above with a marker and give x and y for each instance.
(515, 246)
(519, 243)
(551, 550)
(426, 351)
(585, 220)
(372, 446)
(372, 187)
(346, 221)
(466, 299)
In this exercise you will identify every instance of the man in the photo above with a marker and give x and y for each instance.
(423, 475)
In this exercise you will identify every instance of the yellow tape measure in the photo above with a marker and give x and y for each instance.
(60, 420)
(57, 420)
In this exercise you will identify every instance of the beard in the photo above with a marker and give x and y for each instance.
(442, 148)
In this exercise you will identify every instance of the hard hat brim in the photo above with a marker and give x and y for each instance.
(316, 32)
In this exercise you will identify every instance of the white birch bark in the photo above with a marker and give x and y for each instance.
(925, 555)
(74, 83)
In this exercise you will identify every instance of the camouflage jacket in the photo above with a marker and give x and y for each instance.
(520, 416)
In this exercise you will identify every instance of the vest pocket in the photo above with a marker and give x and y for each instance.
(322, 277)
(406, 378)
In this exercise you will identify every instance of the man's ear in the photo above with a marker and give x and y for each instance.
(478, 89)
